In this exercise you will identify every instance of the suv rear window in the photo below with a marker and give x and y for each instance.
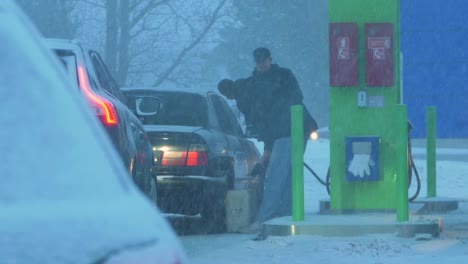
(177, 109)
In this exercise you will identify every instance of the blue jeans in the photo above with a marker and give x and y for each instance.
(277, 190)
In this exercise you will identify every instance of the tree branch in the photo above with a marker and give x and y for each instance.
(93, 3)
(144, 28)
(151, 5)
(185, 20)
(192, 45)
(134, 4)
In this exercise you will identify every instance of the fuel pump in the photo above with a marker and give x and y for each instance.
(367, 117)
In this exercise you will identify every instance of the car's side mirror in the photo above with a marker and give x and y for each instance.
(147, 105)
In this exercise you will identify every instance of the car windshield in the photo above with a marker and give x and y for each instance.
(177, 109)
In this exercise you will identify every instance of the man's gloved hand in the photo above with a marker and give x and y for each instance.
(257, 170)
(255, 176)
(360, 165)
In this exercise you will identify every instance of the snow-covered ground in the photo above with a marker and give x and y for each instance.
(450, 247)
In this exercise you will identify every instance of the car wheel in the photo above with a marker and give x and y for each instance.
(214, 217)
(214, 214)
(145, 181)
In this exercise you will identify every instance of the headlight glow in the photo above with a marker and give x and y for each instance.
(314, 136)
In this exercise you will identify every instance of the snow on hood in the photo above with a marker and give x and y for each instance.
(65, 196)
(80, 232)
(51, 146)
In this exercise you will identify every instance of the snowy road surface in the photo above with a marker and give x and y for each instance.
(450, 247)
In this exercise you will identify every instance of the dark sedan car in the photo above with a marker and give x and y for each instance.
(86, 69)
(199, 149)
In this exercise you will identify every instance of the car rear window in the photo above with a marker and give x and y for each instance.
(68, 60)
(178, 109)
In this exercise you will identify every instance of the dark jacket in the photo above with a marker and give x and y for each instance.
(275, 92)
(247, 101)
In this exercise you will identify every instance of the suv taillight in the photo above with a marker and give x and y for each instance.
(196, 156)
(103, 108)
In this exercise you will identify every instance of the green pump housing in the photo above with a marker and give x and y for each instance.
(365, 102)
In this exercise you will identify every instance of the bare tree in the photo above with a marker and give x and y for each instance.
(211, 20)
(153, 37)
(111, 35)
(122, 17)
(52, 17)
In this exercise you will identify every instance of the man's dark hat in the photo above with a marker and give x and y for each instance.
(260, 54)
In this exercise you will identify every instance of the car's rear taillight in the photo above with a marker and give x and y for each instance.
(104, 109)
(174, 158)
(196, 156)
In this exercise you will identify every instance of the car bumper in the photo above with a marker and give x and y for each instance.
(189, 194)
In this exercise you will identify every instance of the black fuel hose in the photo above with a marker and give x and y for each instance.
(315, 174)
(411, 168)
(325, 183)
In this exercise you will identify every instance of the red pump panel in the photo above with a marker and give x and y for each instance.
(379, 54)
(343, 54)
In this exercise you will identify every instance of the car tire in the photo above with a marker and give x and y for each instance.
(146, 182)
(214, 217)
(214, 214)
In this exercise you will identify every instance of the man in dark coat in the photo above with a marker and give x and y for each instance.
(269, 93)
(279, 90)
